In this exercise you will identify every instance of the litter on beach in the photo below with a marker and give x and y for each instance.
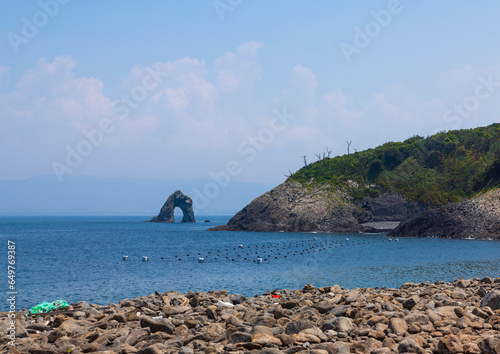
(46, 307)
(224, 304)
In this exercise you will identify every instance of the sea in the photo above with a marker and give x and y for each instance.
(81, 258)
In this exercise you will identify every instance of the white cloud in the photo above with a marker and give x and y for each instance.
(4, 76)
(199, 113)
(240, 69)
(303, 78)
(50, 93)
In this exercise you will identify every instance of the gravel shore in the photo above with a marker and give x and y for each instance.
(458, 317)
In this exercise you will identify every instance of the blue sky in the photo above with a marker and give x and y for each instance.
(226, 71)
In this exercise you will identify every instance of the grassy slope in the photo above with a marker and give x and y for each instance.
(446, 167)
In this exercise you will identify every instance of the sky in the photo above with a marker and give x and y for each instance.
(234, 90)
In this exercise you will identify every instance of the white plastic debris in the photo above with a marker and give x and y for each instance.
(224, 304)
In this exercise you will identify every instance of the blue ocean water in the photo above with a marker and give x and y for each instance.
(80, 258)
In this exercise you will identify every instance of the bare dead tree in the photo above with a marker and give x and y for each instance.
(324, 155)
(348, 146)
(355, 150)
(318, 156)
(290, 173)
(328, 152)
(305, 160)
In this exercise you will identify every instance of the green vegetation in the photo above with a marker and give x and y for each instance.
(446, 167)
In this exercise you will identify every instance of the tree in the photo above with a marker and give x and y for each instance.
(348, 146)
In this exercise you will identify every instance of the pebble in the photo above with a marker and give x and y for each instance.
(441, 317)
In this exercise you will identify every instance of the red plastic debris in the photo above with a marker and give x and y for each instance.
(276, 296)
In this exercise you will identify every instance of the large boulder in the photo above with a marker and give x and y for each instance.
(492, 299)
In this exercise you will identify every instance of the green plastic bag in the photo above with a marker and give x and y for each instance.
(46, 307)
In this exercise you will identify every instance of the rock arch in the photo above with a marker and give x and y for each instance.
(176, 200)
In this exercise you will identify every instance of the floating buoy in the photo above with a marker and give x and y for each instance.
(125, 258)
(144, 258)
(240, 246)
(259, 260)
(201, 260)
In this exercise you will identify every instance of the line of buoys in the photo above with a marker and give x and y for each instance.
(265, 252)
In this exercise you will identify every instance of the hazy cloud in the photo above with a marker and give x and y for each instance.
(240, 69)
(196, 114)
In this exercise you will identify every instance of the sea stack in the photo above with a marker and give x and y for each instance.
(180, 200)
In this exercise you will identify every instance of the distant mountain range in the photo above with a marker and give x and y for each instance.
(90, 195)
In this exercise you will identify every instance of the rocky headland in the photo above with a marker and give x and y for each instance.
(458, 317)
(296, 207)
(477, 218)
(440, 186)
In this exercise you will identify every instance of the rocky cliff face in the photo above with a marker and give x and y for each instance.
(388, 207)
(475, 218)
(293, 207)
(290, 207)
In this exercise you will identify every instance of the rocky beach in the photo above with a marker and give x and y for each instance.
(443, 317)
